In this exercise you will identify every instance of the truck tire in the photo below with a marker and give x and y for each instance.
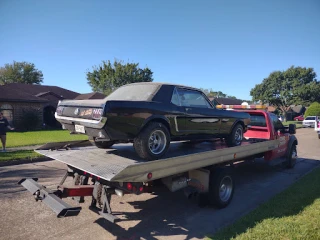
(153, 141)
(221, 187)
(236, 136)
(103, 144)
(292, 157)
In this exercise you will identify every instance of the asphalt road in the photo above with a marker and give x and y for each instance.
(162, 215)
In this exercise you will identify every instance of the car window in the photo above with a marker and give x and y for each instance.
(276, 122)
(192, 98)
(258, 121)
(310, 118)
(175, 98)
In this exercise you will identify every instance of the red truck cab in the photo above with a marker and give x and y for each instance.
(266, 126)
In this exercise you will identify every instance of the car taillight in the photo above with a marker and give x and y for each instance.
(59, 110)
(96, 113)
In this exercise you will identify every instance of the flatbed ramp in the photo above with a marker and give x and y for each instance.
(121, 164)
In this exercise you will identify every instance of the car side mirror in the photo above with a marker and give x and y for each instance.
(292, 128)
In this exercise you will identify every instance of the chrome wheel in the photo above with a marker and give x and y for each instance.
(157, 142)
(225, 189)
(238, 136)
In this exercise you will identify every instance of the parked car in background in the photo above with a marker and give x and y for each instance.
(299, 118)
(150, 115)
(310, 121)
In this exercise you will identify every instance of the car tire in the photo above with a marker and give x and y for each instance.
(221, 187)
(152, 142)
(103, 144)
(236, 136)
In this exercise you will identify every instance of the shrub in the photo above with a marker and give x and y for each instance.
(30, 120)
(313, 110)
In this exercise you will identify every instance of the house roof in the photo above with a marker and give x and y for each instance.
(34, 89)
(93, 95)
(228, 101)
(10, 94)
(297, 109)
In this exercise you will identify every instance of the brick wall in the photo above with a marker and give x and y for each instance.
(19, 108)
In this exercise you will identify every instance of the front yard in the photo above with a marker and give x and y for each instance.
(292, 214)
(19, 139)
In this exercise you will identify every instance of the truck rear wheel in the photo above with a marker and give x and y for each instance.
(221, 187)
(236, 136)
(152, 142)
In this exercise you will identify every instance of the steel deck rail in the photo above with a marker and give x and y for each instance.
(122, 165)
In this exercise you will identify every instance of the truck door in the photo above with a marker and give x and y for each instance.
(283, 137)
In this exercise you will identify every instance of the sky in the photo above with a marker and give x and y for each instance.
(227, 45)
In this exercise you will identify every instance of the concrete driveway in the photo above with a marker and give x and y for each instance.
(162, 215)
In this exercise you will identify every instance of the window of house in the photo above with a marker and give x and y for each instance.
(7, 110)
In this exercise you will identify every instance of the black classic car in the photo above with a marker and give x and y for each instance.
(151, 115)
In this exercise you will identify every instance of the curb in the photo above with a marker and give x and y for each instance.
(24, 161)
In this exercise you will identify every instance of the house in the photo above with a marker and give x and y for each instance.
(20, 101)
(225, 101)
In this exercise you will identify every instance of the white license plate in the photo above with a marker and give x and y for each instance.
(79, 128)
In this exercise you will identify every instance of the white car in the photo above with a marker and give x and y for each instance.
(310, 121)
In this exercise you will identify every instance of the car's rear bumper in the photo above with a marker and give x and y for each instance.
(91, 132)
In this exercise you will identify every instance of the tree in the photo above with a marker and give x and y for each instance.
(313, 110)
(294, 86)
(109, 76)
(20, 72)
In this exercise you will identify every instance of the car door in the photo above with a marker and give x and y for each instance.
(201, 117)
(178, 113)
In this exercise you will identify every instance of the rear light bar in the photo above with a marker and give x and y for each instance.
(97, 113)
(253, 107)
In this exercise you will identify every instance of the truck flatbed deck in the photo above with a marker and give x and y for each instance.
(121, 164)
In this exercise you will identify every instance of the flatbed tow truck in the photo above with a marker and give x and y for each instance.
(201, 168)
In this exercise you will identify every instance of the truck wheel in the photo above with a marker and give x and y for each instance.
(103, 144)
(152, 142)
(236, 136)
(292, 157)
(221, 187)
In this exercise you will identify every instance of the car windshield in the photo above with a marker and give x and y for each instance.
(310, 118)
(135, 92)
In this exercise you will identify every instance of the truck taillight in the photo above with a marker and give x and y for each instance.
(97, 113)
(59, 110)
(129, 186)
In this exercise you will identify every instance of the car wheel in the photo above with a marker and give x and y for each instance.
(153, 141)
(236, 136)
(103, 144)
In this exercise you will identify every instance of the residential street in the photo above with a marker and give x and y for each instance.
(163, 215)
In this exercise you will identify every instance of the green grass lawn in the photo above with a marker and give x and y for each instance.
(292, 214)
(16, 155)
(298, 123)
(18, 139)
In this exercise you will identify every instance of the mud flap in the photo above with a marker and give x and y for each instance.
(49, 197)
